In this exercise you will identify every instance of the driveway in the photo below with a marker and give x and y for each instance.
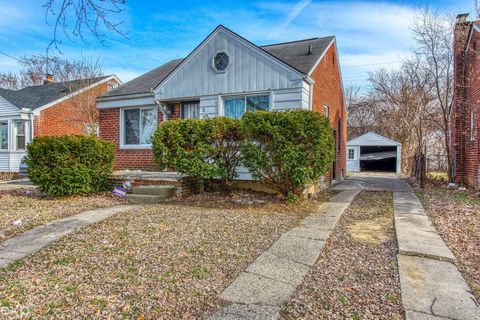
(372, 181)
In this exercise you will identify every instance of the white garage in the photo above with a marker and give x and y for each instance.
(373, 152)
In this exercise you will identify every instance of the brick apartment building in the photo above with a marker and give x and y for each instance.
(225, 75)
(466, 108)
(51, 109)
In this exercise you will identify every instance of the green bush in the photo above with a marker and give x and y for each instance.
(203, 149)
(287, 150)
(69, 165)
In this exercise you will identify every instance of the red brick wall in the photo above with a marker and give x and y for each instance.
(466, 101)
(65, 117)
(127, 158)
(327, 90)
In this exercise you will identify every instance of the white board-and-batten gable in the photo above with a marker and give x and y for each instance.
(372, 139)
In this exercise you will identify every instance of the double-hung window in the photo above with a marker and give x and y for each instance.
(235, 107)
(20, 136)
(4, 135)
(138, 126)
(351, 154)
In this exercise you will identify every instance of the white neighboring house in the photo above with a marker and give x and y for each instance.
(43, 110)
(373, 152)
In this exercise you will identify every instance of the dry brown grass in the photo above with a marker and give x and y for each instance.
(356, 276)
(166, 261)
(24, 209)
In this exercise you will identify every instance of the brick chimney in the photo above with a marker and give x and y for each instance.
(48, 78)
(460, 39)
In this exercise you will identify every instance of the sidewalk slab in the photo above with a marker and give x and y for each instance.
(35, 239)
(432, 288)
(417, 236)
(300, 250)
(246, 312)
(407, 202)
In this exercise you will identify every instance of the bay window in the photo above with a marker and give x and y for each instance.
(138, 126)
(4, 135)
(235, 107)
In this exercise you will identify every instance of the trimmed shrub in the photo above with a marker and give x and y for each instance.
(287, 150)
(68, 165)
(203, 149)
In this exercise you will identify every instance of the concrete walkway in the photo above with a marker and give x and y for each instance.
(35, 239)
(431, 284)
(267, 283)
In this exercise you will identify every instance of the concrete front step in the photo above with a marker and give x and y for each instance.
(144, 198)
(162, 191)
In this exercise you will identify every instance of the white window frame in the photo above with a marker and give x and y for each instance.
(472, 126)
(326, 111)
(348, 153)
(112, 84)
(8, 134)
(245, 95)
(15, 134)
(212, 63)
(122, 131)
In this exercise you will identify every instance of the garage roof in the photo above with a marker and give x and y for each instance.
(372, 139)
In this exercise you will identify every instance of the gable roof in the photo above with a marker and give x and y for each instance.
(294, 54)
(372, 139)
(34, 97)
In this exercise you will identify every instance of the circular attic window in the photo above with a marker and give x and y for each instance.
(220, 62)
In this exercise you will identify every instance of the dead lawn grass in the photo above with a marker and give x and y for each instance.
(166, 261)
(24, 209)
(356, 276)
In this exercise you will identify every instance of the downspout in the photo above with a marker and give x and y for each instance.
(162, 109)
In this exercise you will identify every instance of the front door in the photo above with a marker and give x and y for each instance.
(190, 110)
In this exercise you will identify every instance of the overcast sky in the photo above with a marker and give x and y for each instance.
(371, 33)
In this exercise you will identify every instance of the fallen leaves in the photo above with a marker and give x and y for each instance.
(354, 278)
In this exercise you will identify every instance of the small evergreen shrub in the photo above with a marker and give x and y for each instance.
(287, 150)
(68, 165)
(204, 149)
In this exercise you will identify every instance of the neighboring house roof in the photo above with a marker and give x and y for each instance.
(301, 55)
(34, 97)
(372, 139)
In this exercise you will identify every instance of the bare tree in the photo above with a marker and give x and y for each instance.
(76, 18)
(361, 112)
(433, 33)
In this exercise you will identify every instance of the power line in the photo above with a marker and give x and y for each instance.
(370, 64)
(11, 57)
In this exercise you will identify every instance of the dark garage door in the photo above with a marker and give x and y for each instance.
(378, 158)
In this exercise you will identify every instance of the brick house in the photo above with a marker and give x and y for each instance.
(54, 108)
(465, 138)
(225, 75)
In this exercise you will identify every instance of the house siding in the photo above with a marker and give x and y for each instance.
(7, 109)
(466, 152)
(327, 90)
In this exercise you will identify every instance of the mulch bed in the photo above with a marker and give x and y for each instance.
(356, 276)
(165, 261)
(456, 216)
(24, 209)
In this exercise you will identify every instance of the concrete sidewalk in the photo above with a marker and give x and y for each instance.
(35, 239)
(432, 286)
(260, 291)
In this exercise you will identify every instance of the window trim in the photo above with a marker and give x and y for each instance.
(233, 96)
(326, 111)
(124, 146)
(212, 61)
(348, 153)
(15, 134)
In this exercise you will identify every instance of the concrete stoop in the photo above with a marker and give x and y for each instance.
(151, 194)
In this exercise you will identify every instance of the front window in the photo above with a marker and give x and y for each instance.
(351, 154)
(190, 110)
(4, 135)
(236, 107)
(20, 135)
(220, 62)
(139, 125)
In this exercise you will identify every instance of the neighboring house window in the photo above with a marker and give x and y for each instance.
(92, 129)
(111, 86)
(4, 135)
(472, 126)
(20, 135)
(190, 110)
(220, 62)
(351, 154)
(237, 106)
(139, 125)
(325, 111)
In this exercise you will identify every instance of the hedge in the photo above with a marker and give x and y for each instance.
(287, 150)
(68, 165)
(204, 149)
